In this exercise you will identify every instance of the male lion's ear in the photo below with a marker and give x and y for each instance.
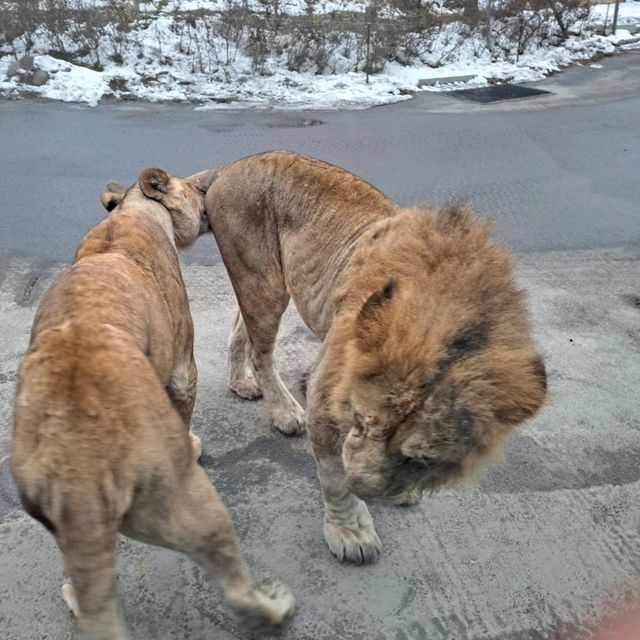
(540, 372)
(203, 180)
(111, 200)
(154, 183)
(527, 394)
(371, 330)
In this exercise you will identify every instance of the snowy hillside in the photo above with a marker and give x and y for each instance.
(292, 54)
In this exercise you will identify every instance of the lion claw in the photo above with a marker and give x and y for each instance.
(357, 542)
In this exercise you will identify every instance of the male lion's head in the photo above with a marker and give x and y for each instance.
(183, 201)
(438, 365)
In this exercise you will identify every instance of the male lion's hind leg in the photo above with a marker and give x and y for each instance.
(348, 527)
(286, 413)
(242, 377)
(252, 374)
(262, 296)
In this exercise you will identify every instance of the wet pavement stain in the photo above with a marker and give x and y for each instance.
(25, 299)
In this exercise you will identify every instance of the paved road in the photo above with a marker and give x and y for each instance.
(546, 542)
(556, 172)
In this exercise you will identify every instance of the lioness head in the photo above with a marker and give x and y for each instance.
(438, 365)
(183, 201)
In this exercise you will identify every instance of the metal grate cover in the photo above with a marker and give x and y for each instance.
(497, 93)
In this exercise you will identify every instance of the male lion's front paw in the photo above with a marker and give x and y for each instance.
(266, 606)
(246, 387)
(354, 540)
(289, 419)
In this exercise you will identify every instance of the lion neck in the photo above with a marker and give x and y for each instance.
(138, 229)
(136, 205)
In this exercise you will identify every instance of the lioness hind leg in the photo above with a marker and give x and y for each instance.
(182, 392)
(266, 606)
(69, 596)
(182, 389)
(196, 446)
(194, 520)
(242, 377)
(91, 592)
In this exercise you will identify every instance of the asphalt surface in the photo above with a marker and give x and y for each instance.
(555, 172)
(546, 542)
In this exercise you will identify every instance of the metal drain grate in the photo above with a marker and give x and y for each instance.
(497, 93)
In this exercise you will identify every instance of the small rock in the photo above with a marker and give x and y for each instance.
(26, 63)
(37, 78)
(22, 64)
(13, 69)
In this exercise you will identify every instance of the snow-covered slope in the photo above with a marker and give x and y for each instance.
(159, 65)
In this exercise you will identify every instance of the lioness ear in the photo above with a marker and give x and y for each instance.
(115, 187)
(111, 200)
(371, 330)
(154, 183)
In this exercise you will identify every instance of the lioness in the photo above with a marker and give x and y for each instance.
(427, 361)
(104, 400)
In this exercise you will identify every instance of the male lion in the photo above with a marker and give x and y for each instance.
(104, 401)
(427, 360)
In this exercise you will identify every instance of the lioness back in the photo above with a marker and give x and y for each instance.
(81, 419)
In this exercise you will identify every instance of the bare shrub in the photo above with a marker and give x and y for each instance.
(19, 20)
(231, 28)
(56, 17)
(522, 24)
(86, 28)
(198, 39)
(258, 45)
(119, 23)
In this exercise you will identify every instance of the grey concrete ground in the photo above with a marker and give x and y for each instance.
(544, 543)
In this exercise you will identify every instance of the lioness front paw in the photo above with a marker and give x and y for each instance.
(246, 387)
(266, 606)
(289, 419)
(353, 541)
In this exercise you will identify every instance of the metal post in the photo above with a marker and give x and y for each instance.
(615, 18)
(519, 38)
(368, 49)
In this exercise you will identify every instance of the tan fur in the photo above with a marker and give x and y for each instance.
(104, 400)
(427, 362)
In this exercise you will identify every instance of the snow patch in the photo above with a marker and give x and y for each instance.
(157, 68)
